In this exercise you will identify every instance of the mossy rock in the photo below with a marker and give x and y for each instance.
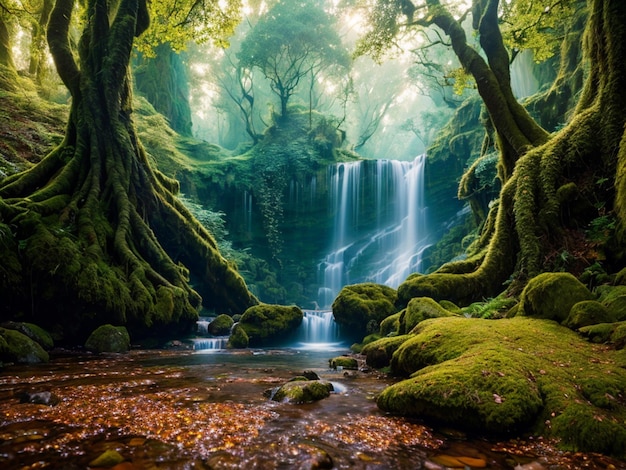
(19, 348)
(344, 362)
(512, 375)
(618, 337)
(303, 391)
(587, 312)
(614, 299)
(269, 324)
(359, 304)
(108, 339)
(238, 338)
(378, 354)
(221, 325)
(599, 333)
(552, 296)
(418, 310)
(357, 347)
(390, 325)
(34, 332)
(450, 306)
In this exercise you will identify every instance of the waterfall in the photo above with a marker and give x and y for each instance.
(212, 344)
(380, 229)
(318, 330)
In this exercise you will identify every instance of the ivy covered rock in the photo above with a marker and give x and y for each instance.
(34, 332)
(303, 391)
(17, 347)
(269, 324)
(221, 325)
(108, 339)
(418, 310)
(552, 296)
(238, 338)
(360, 305)
(588, 312)
(495, 376)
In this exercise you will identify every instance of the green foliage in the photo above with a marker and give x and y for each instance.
(497, 307)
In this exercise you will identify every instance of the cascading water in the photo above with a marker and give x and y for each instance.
(318, 330)
(380, 224)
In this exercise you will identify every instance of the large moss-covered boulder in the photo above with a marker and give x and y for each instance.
(418, 310)
(614, 299)
(360, 305)
(378, 353)
(221, 325)
(390, 325)
(108, 339)
(512, 375)
(34, 332)
(270, 324)
(17, 347)
(552, 296)
(588, 312)
(303, 391)
(238, 338)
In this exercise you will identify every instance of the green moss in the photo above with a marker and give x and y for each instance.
(614, 299)
(269, 324)
(359, 304)
(303, 391)
(343, 361)
(238, 338)
(496, 376)
(587, 312)
(108, 339)
(17, 347)
(552, 296)
(418, 310)
(34, 332)
(378, 353)
(221, 325)
(599, 333)
(390, 325)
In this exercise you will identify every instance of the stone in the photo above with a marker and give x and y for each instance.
(108, 339)
(303, 391)
(19, 348)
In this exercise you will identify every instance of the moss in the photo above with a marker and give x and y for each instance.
(238, 338)
(390, 325)
(357, 347)
(108, 339)
(418, 310)
(221, 325)
(303, 391)
(359, 304)
(450, 306)
(598, 333)
(17, 347)
(552, 296)
(614, 299)
(378, 353)
(587, 312)
(618, 337)
(344, 362)
(270, 324)
(495, 376)
(34, 332)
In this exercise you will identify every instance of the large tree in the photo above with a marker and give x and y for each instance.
(552, 185)
(94, 234)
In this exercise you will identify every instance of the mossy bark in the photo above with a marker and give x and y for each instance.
(532, 216)
(101, 235)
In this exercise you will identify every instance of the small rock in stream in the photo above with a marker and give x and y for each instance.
(39, 398)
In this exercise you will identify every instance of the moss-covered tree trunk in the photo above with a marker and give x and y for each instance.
(552, 187)
(98, 235)
(6, 56)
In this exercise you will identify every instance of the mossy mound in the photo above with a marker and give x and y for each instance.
(588, 312)
(614, 299)
(418, 310)
(359, 304)
(552, 296)
(390, 325)
(269, 324)
(221, 325)
(378, 353)
(34, 332)
(238, 338)
(303, 391)
(345, 362)
(512, 375)
(611, 333)
(17, 347)
(108, 339)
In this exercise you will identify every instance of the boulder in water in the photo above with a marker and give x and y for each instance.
(221, 325)
(269, 324)
(108, 339)
(303, 391)
(17, 347)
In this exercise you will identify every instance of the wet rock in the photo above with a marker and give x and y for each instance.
(316, 458)
(238, 338)
(343, 362)
(303, 391)
(109, 458)
(108, 339)
(17, 347)
(310, 375)
(39, 398)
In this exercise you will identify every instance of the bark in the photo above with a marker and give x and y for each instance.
(553, 184)
(104, 238)
(38, 47)
(6, 57)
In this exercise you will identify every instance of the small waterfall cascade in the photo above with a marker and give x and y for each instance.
(205, 342)
(318, 326)
(380, 229)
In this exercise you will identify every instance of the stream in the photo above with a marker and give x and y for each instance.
(162, 409)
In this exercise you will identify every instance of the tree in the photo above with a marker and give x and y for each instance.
(290, 42)
(551, 184)
(94, 234)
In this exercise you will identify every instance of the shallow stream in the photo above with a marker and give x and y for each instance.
(194, 410)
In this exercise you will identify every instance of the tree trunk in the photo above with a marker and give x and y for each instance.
(6, 56)
(102, 238)
(38, 46)
(552, 186)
